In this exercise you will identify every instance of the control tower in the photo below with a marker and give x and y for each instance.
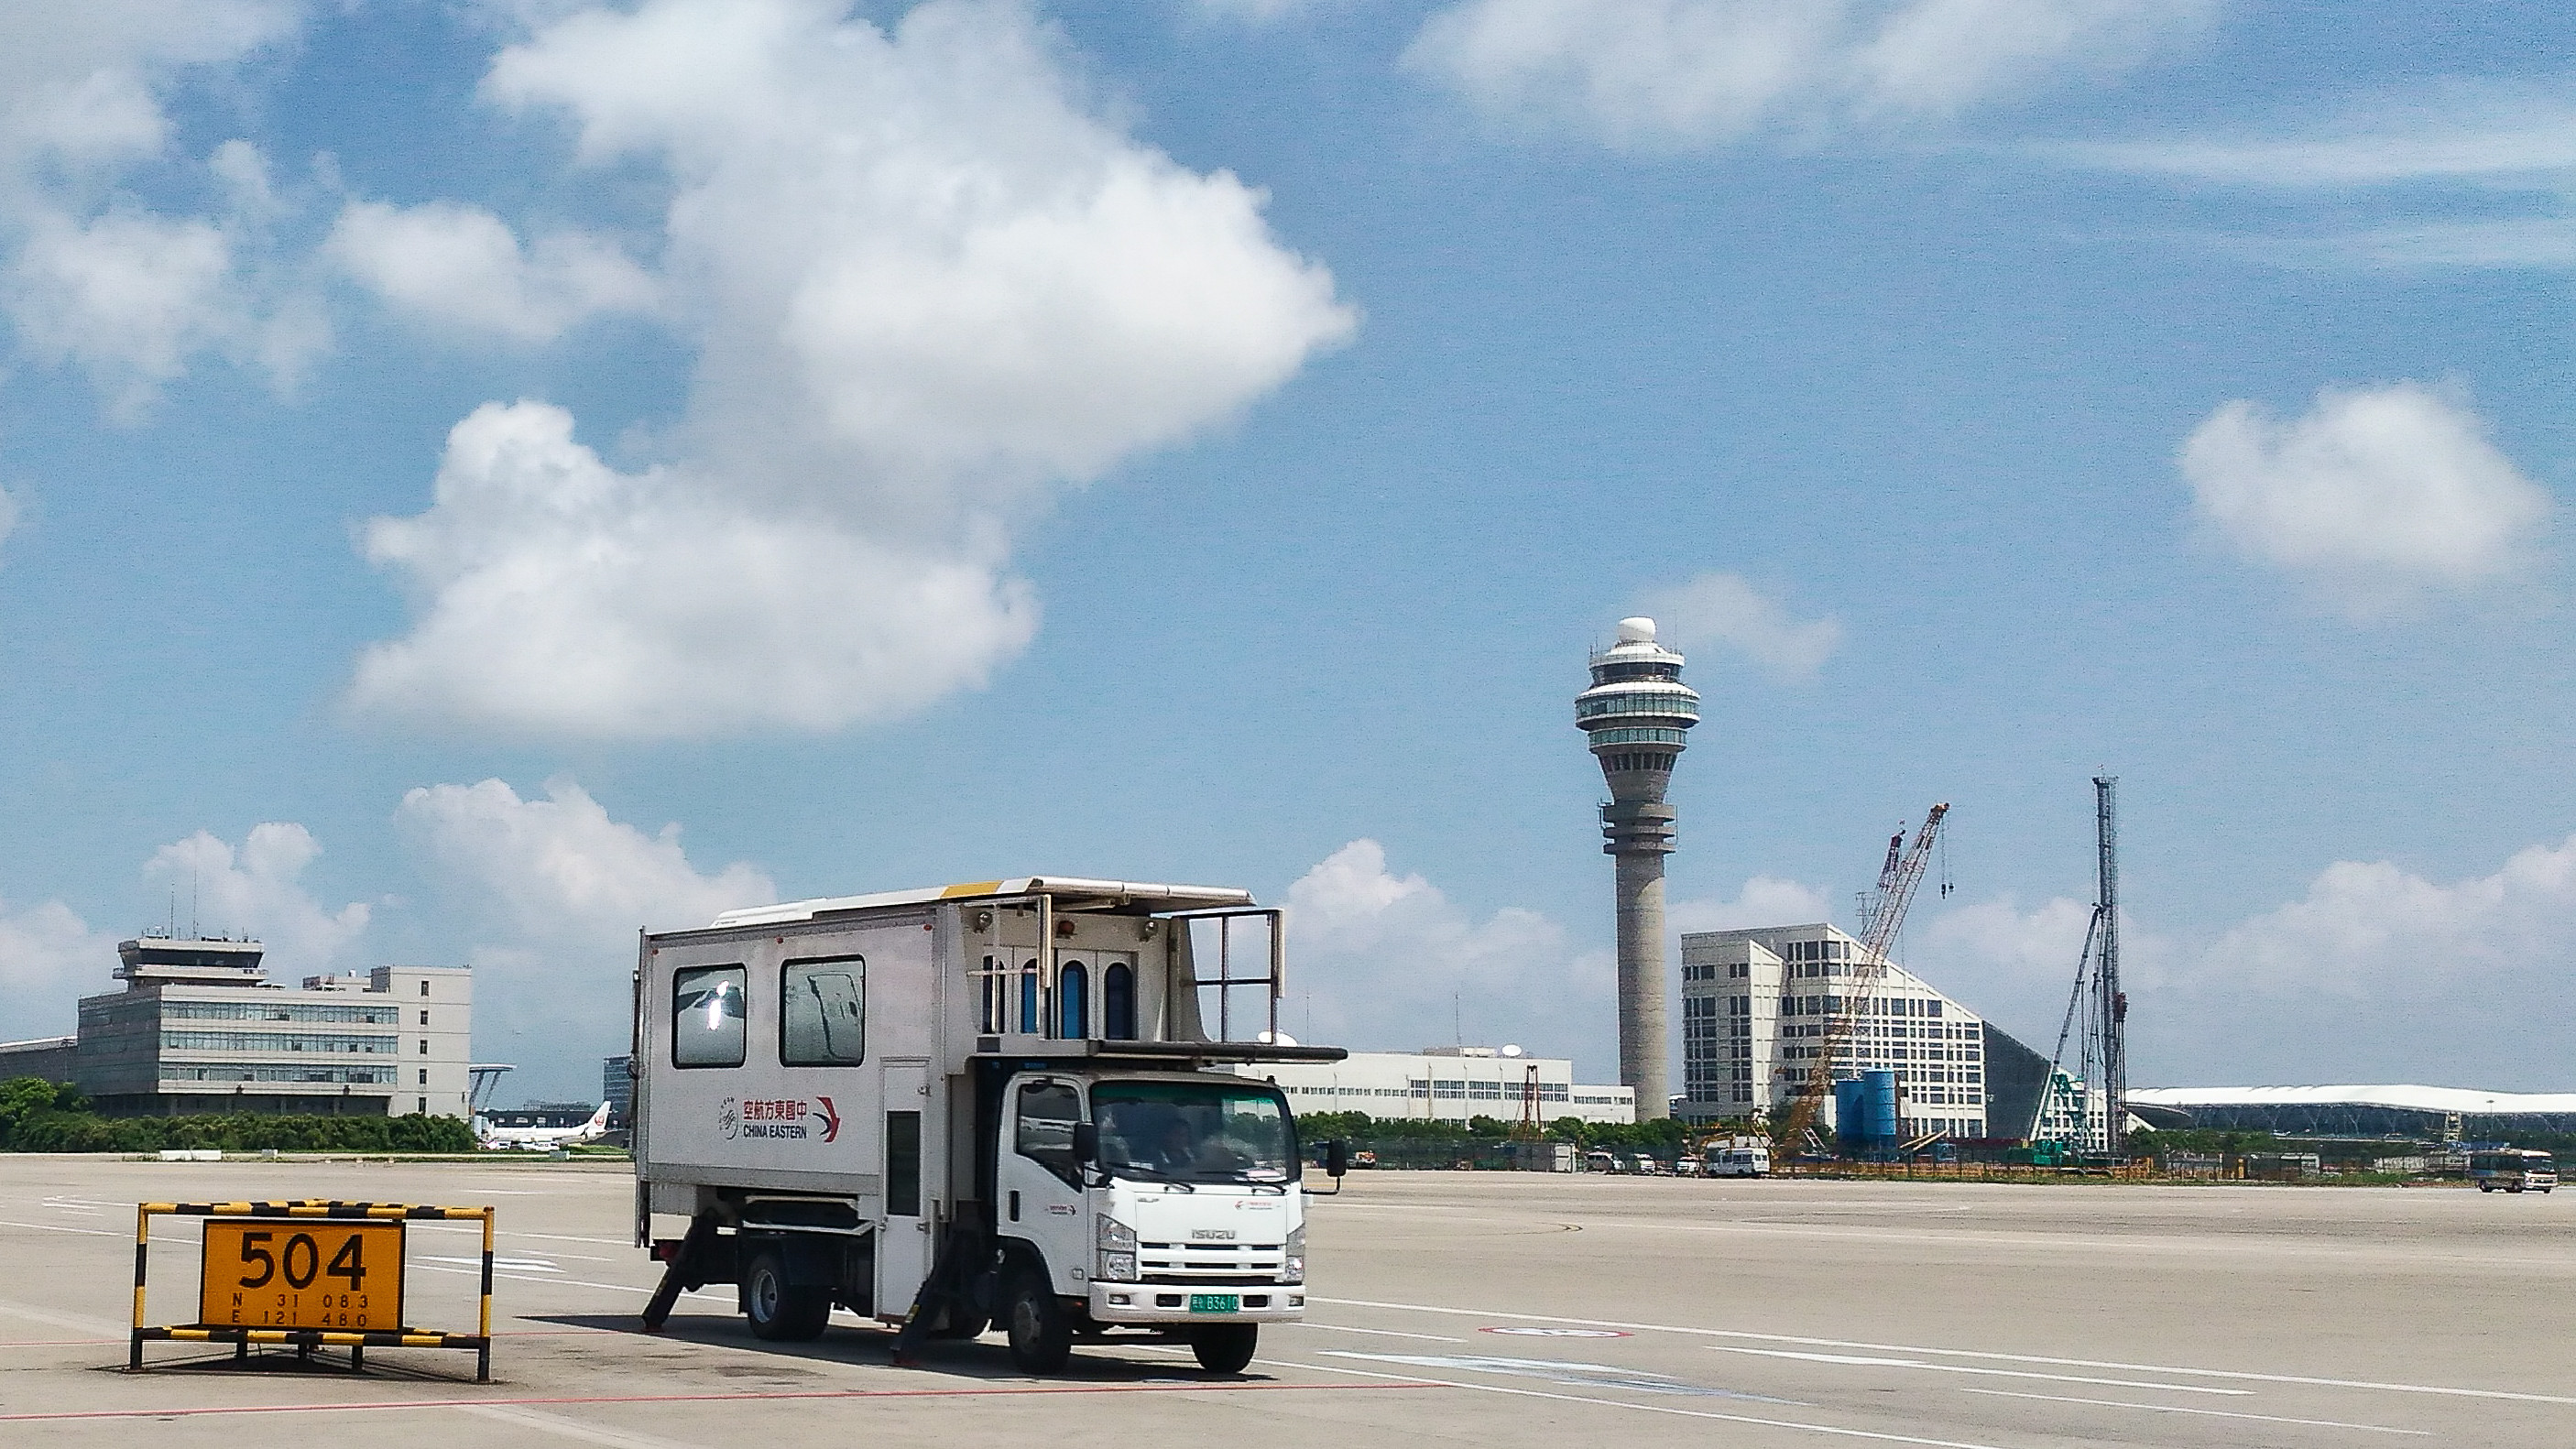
(1636, 715)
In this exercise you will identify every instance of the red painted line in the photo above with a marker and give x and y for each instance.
(120, 1342)
(575, 1400)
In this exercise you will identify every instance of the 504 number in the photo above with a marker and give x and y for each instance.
(299, 1261)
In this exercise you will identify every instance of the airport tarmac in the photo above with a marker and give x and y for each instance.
(1446, 1308)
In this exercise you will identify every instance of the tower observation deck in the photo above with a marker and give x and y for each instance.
(1637, 716)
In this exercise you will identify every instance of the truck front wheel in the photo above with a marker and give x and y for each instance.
(779, 1312)
(1041, 1333)
(1224, 1348)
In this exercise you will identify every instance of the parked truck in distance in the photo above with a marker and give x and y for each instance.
(1006, 1103)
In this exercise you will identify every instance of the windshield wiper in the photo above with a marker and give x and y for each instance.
(1150, 1174)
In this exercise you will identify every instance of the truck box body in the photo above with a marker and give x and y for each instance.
(857, 1085)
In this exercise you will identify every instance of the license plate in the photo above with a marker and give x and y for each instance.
(1216, 1303)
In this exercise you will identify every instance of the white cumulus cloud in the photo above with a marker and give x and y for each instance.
(1679, 74)
(1724, 611)
(76, 81)
(1766, 900)
(49, 958)
(1390, 963)
(89, 277)
(552, 892)
(463, 268)
(929, 286)
(256, 889)
(2375, 494)
(561, 593)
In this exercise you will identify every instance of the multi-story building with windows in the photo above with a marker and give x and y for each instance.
(1755, 1008)
(1446, 1084)
(617, 1089)
(199, 1027)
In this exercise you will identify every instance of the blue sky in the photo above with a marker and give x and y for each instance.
(485, 477)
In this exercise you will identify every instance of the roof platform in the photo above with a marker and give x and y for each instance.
(1065, 893)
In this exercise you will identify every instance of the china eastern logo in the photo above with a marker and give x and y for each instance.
(781, 1117)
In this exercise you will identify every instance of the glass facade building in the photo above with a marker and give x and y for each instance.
(199, 1027)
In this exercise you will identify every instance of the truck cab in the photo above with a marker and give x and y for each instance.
(1153, 1198)
(1026, 1104)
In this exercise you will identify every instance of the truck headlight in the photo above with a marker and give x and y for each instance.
(1293, 1268)
(1117, 1251)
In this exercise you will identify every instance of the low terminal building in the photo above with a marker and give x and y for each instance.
(47, 1058)
(1448, 1084)
(2431, 1114)
(199, 1027)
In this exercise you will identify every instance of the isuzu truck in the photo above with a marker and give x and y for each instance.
(1013, 1104)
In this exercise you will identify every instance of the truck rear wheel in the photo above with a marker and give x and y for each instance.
(779, 1312)
(1224, 1348)
(1040, 1331)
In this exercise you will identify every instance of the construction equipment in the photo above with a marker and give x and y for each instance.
(1881, 919)
(1528, 1129)
(2097, 1012)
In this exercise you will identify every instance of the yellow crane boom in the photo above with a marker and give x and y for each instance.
(1896, 883)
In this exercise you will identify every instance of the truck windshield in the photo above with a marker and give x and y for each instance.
(1193, 1131)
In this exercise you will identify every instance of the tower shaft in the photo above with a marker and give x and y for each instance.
(1643, 1060)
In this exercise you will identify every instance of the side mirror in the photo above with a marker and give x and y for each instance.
(1086, 1143)
(1337, 1158)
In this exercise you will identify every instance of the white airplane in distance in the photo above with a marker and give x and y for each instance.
(542, 1139)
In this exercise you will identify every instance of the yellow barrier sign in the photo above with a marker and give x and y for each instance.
(308, 1273)
(345, 1275)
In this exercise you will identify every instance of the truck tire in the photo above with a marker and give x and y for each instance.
(1040, 1331)
(1224, 1348)
(779, 1312)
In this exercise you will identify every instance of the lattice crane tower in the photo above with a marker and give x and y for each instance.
(1637, 715)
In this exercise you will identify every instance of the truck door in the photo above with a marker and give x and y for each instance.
(904, 1233)
(1039, 1182)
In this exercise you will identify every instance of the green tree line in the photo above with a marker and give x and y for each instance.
(41, 1116)
(1360, 1129)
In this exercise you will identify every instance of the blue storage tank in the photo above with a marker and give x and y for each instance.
(1850, 1117)
(1878, 1110)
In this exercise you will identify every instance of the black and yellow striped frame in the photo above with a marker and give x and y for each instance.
(307, 1339)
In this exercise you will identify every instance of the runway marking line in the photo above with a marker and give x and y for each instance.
(1379, 1332)
(2210, 1413)
(2143, 1368)
(1853, 1360)
(1834, 1429)
(384, 1405)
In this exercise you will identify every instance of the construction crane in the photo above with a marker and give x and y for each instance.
(2097, 1013)
(1882, 918)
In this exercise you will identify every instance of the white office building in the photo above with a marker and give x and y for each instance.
(199, 1027)
(1447, 1084)
(1755, 1007)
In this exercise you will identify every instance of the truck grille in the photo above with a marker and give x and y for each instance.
(1211, 1262)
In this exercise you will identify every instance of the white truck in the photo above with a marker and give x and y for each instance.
(992, 1103)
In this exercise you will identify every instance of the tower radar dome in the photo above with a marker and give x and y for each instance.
(1637, 631)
